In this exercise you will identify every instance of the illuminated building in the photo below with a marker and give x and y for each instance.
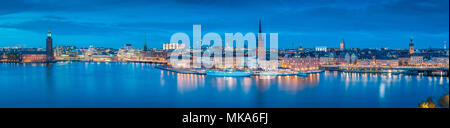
(365, 62)
(321, 48)
(416, 60)
(342, 45)
(411, 45)
(326, 60)
(172, 46)
(301, 63)
(300, 48)
(440, 61)
(260, 50)
(49, 46)
(347, 58)
(39, 56)
(129, 47)
(34, 57)
(3, 56)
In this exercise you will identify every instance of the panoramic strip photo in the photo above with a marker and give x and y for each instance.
(221, 62)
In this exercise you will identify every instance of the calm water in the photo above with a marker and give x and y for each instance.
(141, 85)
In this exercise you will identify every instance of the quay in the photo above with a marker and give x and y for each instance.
(182, 71)
(202, 71)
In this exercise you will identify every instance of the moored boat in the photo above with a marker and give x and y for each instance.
(229, 73)
(316, 71)
(303, 74)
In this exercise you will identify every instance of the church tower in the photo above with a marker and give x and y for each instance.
(342, 45)
(145, 43)
(411, 45)
(260, 50)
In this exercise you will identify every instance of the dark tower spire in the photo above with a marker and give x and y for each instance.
(260, 50)
(49, 46)
(145, 43)
(260, 31)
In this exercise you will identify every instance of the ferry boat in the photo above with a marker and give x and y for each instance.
(303, 74)
(276, 73)
(229, 72)
(316, 71)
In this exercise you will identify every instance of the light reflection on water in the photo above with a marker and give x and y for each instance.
(75, 84)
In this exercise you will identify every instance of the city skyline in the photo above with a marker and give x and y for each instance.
(368, 24)
(338, 45)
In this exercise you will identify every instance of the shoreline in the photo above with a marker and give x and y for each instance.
(200, 72)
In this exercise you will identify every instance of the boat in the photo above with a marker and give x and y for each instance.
(303, 74)
(316, 71)
(276, 73)
(229, 73)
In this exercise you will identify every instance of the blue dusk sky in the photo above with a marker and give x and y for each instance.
(309, 23)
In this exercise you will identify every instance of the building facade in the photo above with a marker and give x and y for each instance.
(49, 46)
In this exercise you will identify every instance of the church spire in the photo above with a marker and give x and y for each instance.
(260, 31)
(342, 45)
(145, 42)
(411, 44)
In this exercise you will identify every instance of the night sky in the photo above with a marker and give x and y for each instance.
(112, 23)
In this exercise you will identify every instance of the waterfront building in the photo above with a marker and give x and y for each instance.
(91, 51)
(3, 56)
(389, 62)
(366, 62)
(301, 62)
(347, 58)
(34, 57)
(442, 61)
(403, 61)
(416, 60)
(101, 58)
(350, 59)
(11, 57)
(49, 46)
(154, 56)
(324, 60)
(65, 51)
(127, 53)
(26, 55)
(353, 59)
(327, 59)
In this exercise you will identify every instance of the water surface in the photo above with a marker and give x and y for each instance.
(131, 85)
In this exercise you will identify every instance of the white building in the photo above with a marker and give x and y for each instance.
(172, 46)
(321, 48)
(415, 60)
(440, 61)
